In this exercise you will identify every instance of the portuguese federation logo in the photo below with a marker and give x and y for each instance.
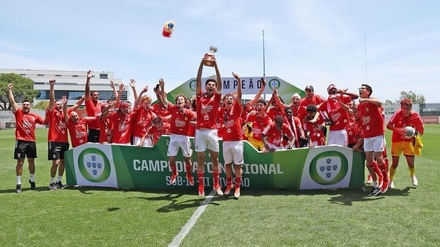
(94, 165)
(328, 168)
(274, 83)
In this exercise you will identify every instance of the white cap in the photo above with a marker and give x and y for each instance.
(296, 95)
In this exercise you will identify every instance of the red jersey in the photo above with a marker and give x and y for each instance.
(272, 112)
(316, 133)
(334, 111)
(105, 129)
(57, 126)
(122, 127)
(258, 124)
(78, 131)
(180, 119)
(142, 121)
(371, 120)
(294, 126)
(353, 131)
(25, 125)
(156, 133)
(315, 99)
(206, 110)
(275, 136)
(93, 109)
(231, 124)
(399, 120)
(161, 112)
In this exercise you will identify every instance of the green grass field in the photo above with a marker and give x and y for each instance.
(405, 216)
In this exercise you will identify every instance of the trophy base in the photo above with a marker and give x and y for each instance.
(209, 60)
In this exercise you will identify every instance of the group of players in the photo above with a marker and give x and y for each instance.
(268, 126)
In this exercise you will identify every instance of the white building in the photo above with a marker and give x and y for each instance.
(69, 83)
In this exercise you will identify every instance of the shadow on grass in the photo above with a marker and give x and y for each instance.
(348, 198)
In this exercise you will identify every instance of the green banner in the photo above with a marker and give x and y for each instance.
(121, 166)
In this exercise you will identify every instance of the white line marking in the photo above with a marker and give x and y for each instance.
(192, 221)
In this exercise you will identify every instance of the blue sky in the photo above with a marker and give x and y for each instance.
(315, 42)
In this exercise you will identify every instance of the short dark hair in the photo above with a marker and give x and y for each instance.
(210, 80)
(262, 101)
(311, 108)
(369, 88)
(25, 100)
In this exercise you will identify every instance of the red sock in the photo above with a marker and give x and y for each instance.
(200, 176)
(173, 168)
(188, 167)
(376, 168)
(229, 181)
(384, 171)
(237, 182)
(215, 177)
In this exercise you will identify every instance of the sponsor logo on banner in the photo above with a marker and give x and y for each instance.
(327, 168)
(95, 167)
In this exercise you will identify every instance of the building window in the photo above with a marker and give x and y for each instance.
(40, 75)
(103, 76)
(58, 75)
(74, 75)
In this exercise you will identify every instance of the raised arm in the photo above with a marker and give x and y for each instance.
(199, 78)
(138, 99)
(51, 94)
(78, 103)
(161, 95)
(260, 92)
(87, 89)
(66, 116)
(219, 78)
(239, 88)
(12, 102)
(121, 89)
(133, 87)
(112, 85)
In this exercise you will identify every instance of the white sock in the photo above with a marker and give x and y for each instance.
(52, 180)
(59, 178)
(18, 179)
(32, 177)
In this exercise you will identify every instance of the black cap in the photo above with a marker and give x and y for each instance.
(309, 87)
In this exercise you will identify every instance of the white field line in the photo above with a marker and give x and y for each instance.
(192, 221)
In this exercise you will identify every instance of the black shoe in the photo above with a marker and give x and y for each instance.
(18, 188)
(374, 192)
(32, 185)
(53, 186)
(60, 185)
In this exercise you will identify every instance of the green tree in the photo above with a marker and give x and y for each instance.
(415, 98)
(23, 89)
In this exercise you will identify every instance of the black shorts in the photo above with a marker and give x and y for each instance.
(25, 149)
(56, 150)
(93, 135)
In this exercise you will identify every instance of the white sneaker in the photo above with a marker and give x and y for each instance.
(391, 185)
(414, 180)
(218, 190)
(369, 179)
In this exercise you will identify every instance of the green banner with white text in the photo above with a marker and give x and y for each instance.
(121, 166)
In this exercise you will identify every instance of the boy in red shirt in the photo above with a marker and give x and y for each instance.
(403, 117)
